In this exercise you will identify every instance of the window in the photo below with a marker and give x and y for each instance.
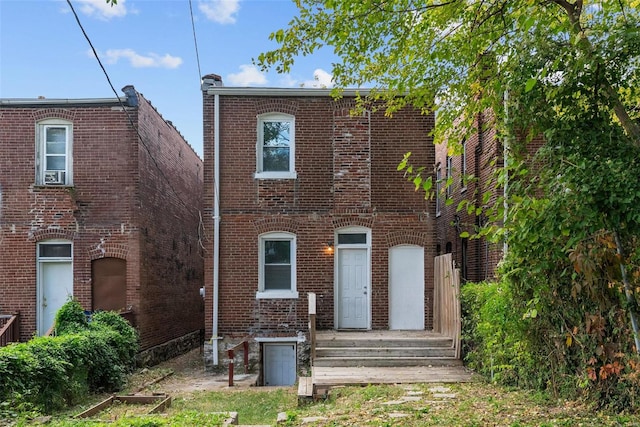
(54, 143)
(438, 188)
(449, 175)
(277, 263)
(463, 167)
(276, 146)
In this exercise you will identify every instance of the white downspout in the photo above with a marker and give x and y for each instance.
(216, 224)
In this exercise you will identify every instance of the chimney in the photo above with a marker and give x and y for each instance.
(211, 80)
(131, 94)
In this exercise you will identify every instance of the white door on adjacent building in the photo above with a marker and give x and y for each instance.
(279, 364)
(353, 288)
(55, 281)
(406, 287)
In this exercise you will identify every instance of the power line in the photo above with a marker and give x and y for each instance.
(195, 41)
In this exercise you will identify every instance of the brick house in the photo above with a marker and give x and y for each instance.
(301, 196)
(481, 156)
(92, 208)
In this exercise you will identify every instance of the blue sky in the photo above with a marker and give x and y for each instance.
(149, 44)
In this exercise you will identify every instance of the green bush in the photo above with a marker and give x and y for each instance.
(47, 373)
(494, 339)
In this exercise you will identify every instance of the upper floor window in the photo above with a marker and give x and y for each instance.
(449, 183)
(54, 148)
(438, 189)
(277, 263)
(463, 167)
(276, 146)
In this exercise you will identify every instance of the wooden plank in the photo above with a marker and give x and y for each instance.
(160, 407)
(96, 408)
(305, 387)
(141, 400)
(389, 375)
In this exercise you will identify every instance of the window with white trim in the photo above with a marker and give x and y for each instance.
(277, 264)
(276, 146)
(54, 147)
(438, 188)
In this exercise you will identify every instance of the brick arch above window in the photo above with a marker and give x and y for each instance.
(48, 234)
(54, 113)
(352, 222)
(407, 238)
(275, 223)
(276, 106)
(109, 250)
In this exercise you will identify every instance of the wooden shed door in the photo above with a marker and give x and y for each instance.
(109, 284)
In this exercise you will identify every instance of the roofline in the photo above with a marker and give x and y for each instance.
(270, 91)
(27, 102)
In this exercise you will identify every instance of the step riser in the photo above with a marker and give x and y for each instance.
(385, 362)
(385, 352)
(436, 342)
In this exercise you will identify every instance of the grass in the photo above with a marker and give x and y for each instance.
(470, 404)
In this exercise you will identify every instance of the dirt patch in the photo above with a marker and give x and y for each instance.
(186, 374)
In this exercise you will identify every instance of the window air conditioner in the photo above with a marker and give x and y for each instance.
(54, 177)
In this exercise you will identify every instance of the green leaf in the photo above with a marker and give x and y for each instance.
(530, 84)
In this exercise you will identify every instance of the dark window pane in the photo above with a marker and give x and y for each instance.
(56, 148)
(276, 134)
(277, 277)
(275, 159)
(350, 239)
(277, 252)
(56, 134)
(56, 163)
(53, 250)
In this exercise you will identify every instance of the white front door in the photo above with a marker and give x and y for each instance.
(56, 286)
(353, 292)
(406, 287)
(279, 364)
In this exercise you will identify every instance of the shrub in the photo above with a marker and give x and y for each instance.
(50, 372)
(494, 339)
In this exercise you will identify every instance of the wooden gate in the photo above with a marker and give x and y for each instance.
(446, 304)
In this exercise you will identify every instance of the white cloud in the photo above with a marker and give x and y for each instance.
(321, 79)
(249, 75)
(220, 11)
(151, 60)
(102, 10)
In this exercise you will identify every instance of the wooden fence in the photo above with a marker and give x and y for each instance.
(446, 295)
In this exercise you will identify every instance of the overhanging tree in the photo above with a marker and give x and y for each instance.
(569, 70)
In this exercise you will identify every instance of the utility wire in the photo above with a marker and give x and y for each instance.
(195, 40)
(155, 162)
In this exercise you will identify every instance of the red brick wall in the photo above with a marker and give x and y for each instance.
(346, 176)
(170, 200)
(104, 214)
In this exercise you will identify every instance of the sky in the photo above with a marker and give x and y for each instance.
(148, 44)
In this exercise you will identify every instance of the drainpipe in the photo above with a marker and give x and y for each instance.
(216, 224)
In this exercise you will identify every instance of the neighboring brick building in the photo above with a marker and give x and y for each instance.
(301, 196)
(90, 208)
(480, 158)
